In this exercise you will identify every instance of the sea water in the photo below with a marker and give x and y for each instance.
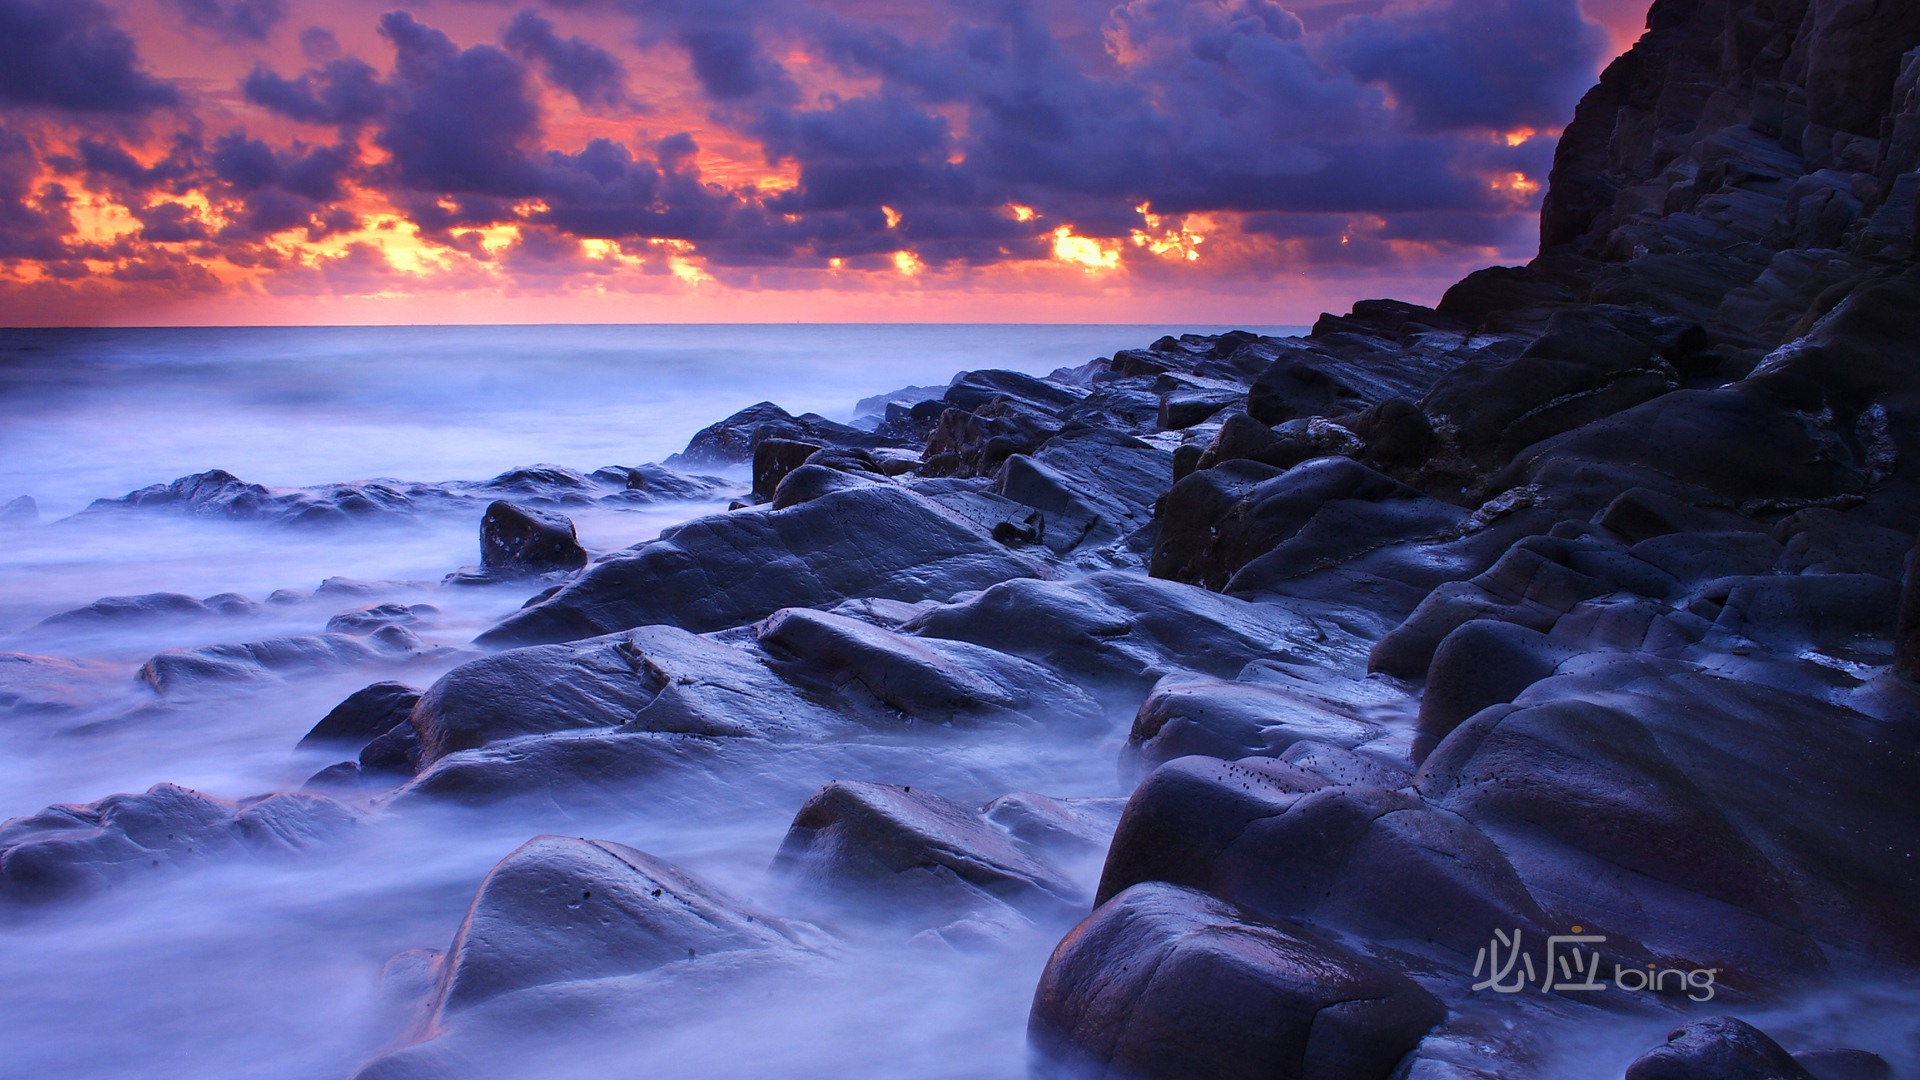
(272, 967)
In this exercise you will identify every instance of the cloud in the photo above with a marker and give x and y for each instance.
(1455, 64)
(462, 120)
(69, 54)
(241, 20)
(34, 223)
(343, 93)
(595, 77)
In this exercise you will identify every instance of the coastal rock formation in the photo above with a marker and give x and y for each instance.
(1584, 603)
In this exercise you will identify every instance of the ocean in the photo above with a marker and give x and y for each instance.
(242, 966)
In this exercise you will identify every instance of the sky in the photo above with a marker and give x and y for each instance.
(292, 162)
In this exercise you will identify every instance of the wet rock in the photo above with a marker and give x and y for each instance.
(1906, 634)
(1114, 626)
(1165, 982)
(1844, 1064)
(1394, 432)
(69, 851)
(1185, 408)
(656, 678)
(1642, 796)
(975, 442)
(367, 620)
(1295, 386)
(128, 610)
(1481, 663)
(1720, 1048)
(561, 912)
(974, 389)
(1287, 842)
(1186, 715)
(210, 668)
(732, 441)
(19, 511)
(519, 540)
(716, 572)
(366, 713)
(773, 459)
(1219, 520)
(231, 605)
(867, 669)
(921, 858)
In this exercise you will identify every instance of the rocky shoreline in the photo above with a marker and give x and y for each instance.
(1576, 617)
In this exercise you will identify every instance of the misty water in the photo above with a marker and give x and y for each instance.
(272, 966)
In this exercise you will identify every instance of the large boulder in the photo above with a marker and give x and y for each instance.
(69, 851)
(1718, 1048)
(562, 911)
(1166, 983)
(867, 670)
(915, 856)
(516, 539)
(653, 679)
(365, 714)
(730, 569)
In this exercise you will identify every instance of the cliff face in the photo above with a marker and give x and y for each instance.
(1779, 138)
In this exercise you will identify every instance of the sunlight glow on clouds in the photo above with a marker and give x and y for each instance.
(327, 160)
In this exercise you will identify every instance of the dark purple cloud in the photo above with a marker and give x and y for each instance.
(595, 77)
(69, 54)
(462, 120)
(1475, 63)
(241, 20)
(343, 92)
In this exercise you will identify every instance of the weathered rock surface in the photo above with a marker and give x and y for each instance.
(1165, 982)
(69, 851)
(517, 539)
(917, 857)
(730, 569)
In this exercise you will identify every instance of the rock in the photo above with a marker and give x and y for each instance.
(19, 511)
(915, 856)
(864, 669)
(1183, 409)
(367, 620)
(733, 441)
(1286, 842)
(656, 678)
(561, 911)
(1113, 627)
(1394, 432)
(1219, 520)
(519, 540)
(773, 459)
(1720, 1048)
(1906, 635)
(1165, 982)
(364, 714)
(973, 443)
(69, 851)
(211, 668)
(128, 610)
(716, 572)
(231, 605)
(1294, 386)
(1844, 1064)
(397, 752)
(974, 389)
(1187, 715)
(1481, 663)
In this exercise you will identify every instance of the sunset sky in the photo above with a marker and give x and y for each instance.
(351, 161)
